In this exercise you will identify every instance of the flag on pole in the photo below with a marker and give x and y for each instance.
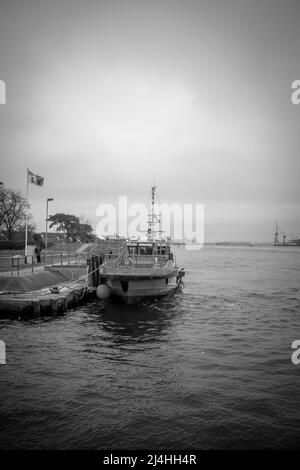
(35, 179)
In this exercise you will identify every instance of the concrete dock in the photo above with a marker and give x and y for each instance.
(46, 292)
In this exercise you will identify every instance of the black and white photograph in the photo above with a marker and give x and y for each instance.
(149, 228)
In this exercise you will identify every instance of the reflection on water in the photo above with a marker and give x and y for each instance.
(128, 324)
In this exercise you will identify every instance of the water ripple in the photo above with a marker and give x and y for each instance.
(208, 368)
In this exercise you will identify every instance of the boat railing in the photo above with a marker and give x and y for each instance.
(135, 261)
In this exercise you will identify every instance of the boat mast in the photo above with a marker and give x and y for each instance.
(152, 215)
(153, 188)
(154, 219)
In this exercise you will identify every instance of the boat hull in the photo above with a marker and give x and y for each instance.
(134, 290)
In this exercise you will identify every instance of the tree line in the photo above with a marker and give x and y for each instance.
(71, 226)
(13, 210)
(13, 207)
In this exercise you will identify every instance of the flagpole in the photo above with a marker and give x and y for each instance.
(26, 218)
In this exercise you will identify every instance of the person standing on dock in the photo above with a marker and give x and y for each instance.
(37, 252)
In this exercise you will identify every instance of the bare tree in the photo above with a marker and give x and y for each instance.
(2, 197)
(13, 206)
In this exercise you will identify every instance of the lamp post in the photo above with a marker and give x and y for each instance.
(48, 200)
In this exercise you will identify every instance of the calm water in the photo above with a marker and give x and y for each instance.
(208, 369)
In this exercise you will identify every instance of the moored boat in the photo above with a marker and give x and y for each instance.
(142, 269)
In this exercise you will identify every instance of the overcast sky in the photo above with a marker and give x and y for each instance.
(103, 96)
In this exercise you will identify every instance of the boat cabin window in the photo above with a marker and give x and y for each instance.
(161, 250)
(132, 249)
(146, 249)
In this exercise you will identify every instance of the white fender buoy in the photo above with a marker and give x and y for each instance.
(103, 291)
